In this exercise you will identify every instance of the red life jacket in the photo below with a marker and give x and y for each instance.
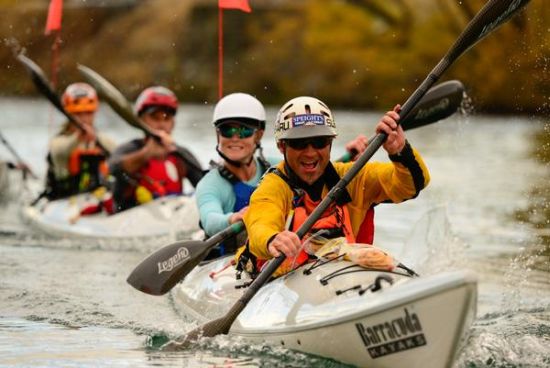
(365, 235)
(336, 218)
(162, 177)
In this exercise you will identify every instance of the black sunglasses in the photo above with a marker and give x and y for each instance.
(228, 131)
(316, 142)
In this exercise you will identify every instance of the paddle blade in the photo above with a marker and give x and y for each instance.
(40, 81)
(438, 103)
(163, 269)
(493, 14)
(213, 328)
(112, 95)
(219, 326)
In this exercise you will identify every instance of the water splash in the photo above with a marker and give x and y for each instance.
(509, 340)
(467, 106)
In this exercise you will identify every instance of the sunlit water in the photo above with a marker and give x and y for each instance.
(65, 303)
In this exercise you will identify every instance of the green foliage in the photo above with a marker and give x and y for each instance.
(349, 57)
(361, 54)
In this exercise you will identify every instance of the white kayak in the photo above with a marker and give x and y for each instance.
(164, 218)
(344, 312)
(16, 185)
(5, 182)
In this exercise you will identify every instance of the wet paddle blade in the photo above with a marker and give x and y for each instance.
(112, 96)
(123, 108)
(163, 269)
(43, 86)
(40, 81)
(213, 328)
(219, 326)
(438, 103)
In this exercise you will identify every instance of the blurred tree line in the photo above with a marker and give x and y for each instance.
(357, 53)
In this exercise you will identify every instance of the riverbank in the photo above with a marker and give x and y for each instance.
(353, 55)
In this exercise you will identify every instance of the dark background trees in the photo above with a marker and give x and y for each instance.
(355, 53)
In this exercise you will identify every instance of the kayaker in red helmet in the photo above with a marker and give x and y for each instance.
(76, 162)
(305, 130)
(145, 169)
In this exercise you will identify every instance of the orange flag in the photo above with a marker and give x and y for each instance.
(54, 16)
(235, 4)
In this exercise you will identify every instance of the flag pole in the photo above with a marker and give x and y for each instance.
(220, 53)
(53, 24)
(56, 46)
(226, 4)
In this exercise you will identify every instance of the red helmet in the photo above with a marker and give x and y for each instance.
(80, 97)
(156, 97)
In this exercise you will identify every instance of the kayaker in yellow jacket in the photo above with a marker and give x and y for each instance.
(304, 130)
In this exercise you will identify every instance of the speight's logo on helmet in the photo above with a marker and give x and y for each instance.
(308, 119)
(181, 256)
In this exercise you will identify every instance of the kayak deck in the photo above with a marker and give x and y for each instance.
(161, 217)
(344, 312)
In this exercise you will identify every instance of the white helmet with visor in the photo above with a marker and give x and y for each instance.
(241, 107)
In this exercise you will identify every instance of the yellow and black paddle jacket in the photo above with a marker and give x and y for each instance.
(274, 200)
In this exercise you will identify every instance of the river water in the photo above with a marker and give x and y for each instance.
(65, 303)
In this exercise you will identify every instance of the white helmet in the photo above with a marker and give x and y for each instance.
(304, 117)
(240, 106)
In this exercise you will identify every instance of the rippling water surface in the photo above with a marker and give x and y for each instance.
(65, 303)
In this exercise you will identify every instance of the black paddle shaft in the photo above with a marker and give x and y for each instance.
(494, 13)
(43, 86)
(123, 108)
(438, 103)
(18, 158)
(164, 268)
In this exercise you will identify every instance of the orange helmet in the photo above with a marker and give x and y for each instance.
(80, 97)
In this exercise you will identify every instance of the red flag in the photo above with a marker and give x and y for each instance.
(235, 4)
(54, 16)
